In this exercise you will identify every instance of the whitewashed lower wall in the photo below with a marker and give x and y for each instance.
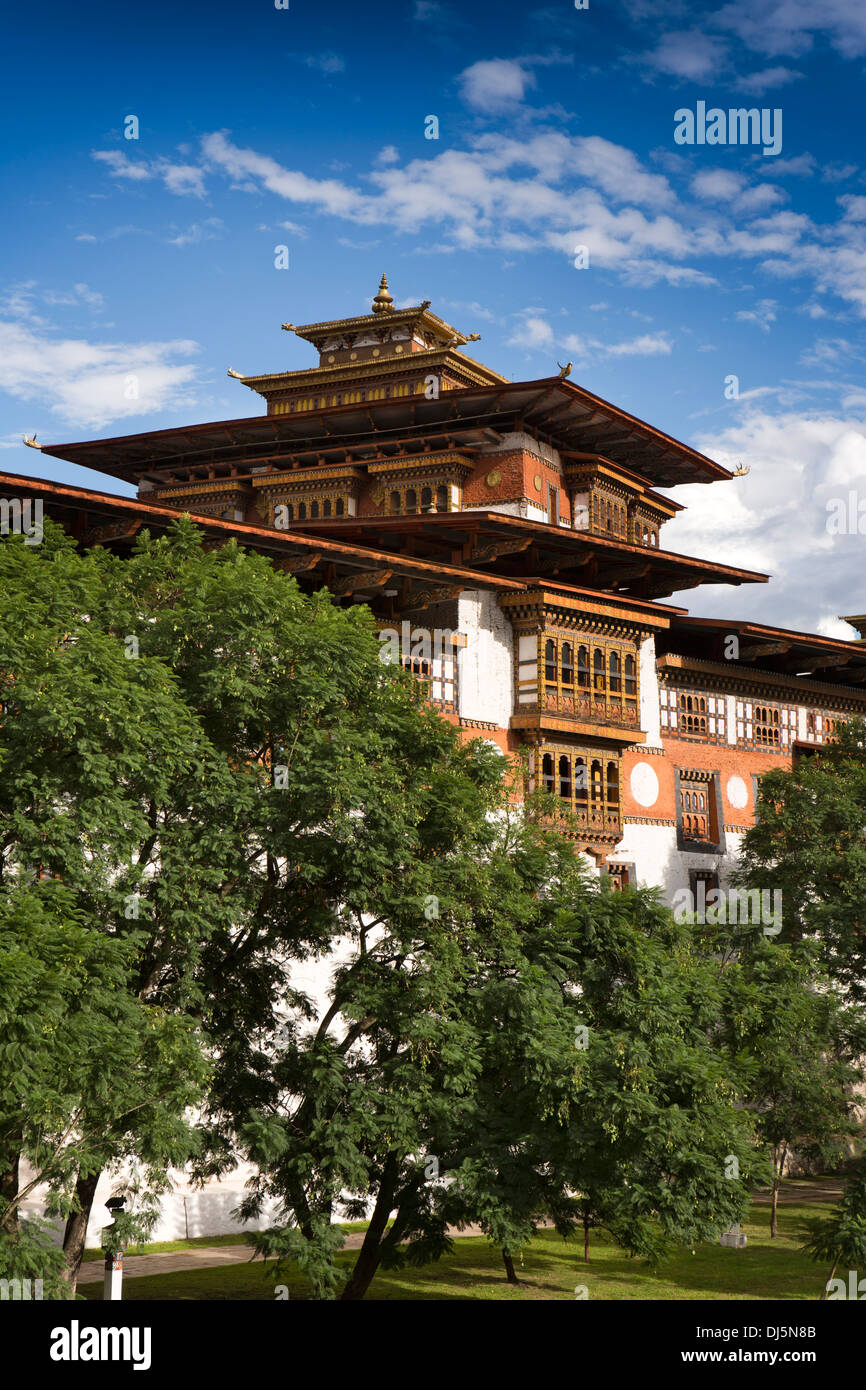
(485, 682)
(658, 863)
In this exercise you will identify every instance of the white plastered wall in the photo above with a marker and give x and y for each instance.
(485, 681)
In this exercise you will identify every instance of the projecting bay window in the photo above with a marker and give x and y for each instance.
(586, 783)
(594, 681)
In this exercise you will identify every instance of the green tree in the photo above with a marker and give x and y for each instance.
(794, 1045)
(841, 1237)
(457, 1090)
(89, 1072)
(809, 844)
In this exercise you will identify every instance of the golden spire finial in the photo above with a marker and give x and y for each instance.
(383, 303)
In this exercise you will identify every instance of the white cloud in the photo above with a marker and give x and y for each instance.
(763, 314)
(787, 28)
(837, 173)
(328, 62)
(802, 164)
(533, 332)
(93, 384)
(183, 179)
(537, 334)
(690, 55)
(647, 345)
(775, 519)
(555, 192)
(717, 185)
(495, 84)
(199, 231)
(756, 83)
(121, 166)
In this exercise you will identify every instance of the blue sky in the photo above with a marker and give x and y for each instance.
(135, 271)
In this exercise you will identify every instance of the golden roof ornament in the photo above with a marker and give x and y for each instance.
(383, 303)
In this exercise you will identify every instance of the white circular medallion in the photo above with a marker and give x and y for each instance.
(644, 784)
(738, 793)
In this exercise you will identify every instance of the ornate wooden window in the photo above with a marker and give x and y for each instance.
(565, 777)
(710, 881)
(615, 670)
(599, 675)
(587, 782)
(583, 666)
(601, 684)
(567, 664)
(630, 679)
(766, 721)
(692, 714)
(550, 660)
(436, 665)
(620, 876)
(698, 803)
(695, 811)
(547, 772)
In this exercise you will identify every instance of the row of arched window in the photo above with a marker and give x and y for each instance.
(693, 714)
(766, 722)
(595, 668)
(611, 517)
(694, 810)
(315, 508)
(573, 779)
(352, 397)
(405, 500)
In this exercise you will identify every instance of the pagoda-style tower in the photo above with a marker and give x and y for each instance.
(384, 354)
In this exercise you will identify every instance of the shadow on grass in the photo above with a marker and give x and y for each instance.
(774, 1270)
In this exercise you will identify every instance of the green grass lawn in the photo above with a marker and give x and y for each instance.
(551, 1268)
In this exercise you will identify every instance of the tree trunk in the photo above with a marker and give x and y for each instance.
(779, 1156)
(8, 1193)
(586, 1239)
(774, 1207)
(509, 1268)
(76, 1229)
(829, 1278)
(371, 1251)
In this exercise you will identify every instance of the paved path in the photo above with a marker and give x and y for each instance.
(203, 1256)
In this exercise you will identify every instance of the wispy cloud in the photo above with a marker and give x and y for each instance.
(91, 384)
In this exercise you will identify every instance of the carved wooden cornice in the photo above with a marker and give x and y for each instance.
(367, 579)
